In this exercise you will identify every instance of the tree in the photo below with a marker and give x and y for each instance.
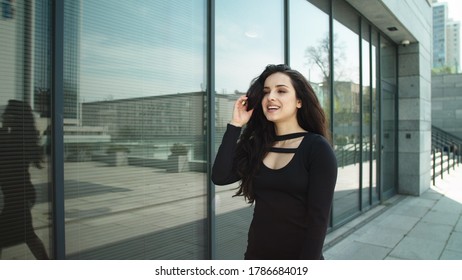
(444, 70)
(319, 55)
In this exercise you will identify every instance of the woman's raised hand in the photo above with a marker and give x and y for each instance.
(240, 114)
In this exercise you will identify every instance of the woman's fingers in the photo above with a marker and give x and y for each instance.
(241, 116)
(242, 102)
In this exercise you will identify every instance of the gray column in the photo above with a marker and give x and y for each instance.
(414, 126)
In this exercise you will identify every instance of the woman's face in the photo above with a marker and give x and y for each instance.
(280, 103)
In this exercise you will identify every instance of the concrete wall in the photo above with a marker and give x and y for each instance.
(447, 103)
(414, 96)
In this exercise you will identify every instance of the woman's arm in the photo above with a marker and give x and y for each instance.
(322, 166)
(224, 169)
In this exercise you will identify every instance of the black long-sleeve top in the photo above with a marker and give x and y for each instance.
(292, 204)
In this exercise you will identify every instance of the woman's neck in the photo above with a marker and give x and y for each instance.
(282, 129)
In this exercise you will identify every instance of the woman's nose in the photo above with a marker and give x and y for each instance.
(271, 95)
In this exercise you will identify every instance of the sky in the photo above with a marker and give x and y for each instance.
(126, 58)
(454, 9)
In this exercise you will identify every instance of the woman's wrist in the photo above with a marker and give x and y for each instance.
(235, 124)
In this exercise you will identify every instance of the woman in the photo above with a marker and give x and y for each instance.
(284, 163)
(19, 148)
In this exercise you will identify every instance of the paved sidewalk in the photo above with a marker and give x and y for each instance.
(428, 227)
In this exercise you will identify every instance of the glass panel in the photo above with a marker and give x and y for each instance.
(309, 47)
(388, 72)
(248, 37)
(366, 107)
(25, 86)
(135, 181)
(374, 193)
(346, 110)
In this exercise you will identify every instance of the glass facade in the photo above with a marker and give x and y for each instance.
(25, 163)
(346, 114)
(242, 48)
(310, 47)
(388, 77)
(130, 190)
(135, 119)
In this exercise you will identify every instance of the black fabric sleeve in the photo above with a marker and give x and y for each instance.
(322, 168)
(224, 168)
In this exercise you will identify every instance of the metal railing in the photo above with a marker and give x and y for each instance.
(349, 154)
(446, 152)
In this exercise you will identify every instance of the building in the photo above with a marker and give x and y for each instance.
(440, 20)
(446, 39)
(453, 33)
(156, 79)
(447, 103)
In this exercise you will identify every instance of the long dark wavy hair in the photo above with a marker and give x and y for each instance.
(22, 139)
(259, 133)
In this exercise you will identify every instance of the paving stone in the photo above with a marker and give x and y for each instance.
(440, 217)
(455, 242)
(380, 236)
(357, 251)
(451, 255)
(449, 205)
(431, 231)
(458, 226)
(418, 249)
(397, 221)
(410, 210)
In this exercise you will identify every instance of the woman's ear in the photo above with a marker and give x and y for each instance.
(299, 103)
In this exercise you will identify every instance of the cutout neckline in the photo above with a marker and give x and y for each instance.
(289, 136)
(293, 150)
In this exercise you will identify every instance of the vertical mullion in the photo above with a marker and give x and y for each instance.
(331, 66)
(211, 223)
(331, 84)
(286, 32)
(57, 175)
(360, 115)
(371, 111)
(396, 152)
(379, 124)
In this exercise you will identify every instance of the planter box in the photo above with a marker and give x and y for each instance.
(177, 164)
(118, 158)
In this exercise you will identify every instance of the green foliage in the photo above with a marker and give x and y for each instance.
(443, 70)
(179, 149)
(340, 140)
(117, 148)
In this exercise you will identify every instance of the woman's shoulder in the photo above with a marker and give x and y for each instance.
(315, 139)
(317, 149)
(315, 143)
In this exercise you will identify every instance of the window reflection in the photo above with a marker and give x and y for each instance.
(374, 117)
(310, 49)
(249, 36)
(25, 219)
(134, 117)
(20, 149)
(135, 183)
(367, 117)
(346, 110)
(388, 91)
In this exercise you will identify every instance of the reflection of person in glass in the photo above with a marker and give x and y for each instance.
(19, 148)
(284, 163)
